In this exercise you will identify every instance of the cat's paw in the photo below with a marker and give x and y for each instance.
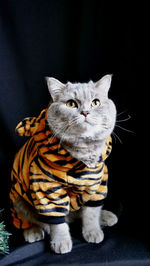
(61, 246)
(108, 218)
(93, 235)
(33, 234)
(45, 227)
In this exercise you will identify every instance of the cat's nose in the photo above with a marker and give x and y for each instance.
(85, 113)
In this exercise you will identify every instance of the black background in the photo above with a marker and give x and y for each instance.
(79, 41)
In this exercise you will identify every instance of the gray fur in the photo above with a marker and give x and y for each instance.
(83, 137)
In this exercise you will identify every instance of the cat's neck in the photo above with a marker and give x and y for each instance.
(85, 149)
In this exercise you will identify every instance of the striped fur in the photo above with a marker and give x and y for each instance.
(50, 179)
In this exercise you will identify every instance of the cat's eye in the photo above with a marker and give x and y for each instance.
(95, 103)
(71, 104)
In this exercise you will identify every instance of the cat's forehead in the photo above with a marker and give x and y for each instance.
(80, 90)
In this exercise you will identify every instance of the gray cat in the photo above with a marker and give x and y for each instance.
(82, 117)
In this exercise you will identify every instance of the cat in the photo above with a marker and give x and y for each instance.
(82, 117)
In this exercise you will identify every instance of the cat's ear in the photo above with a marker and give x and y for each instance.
(55, 87)
(103, 85)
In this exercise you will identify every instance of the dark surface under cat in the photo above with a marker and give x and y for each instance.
(117, 249)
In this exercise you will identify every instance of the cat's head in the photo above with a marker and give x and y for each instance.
(81, 109)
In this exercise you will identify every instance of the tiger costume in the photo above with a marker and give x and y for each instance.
(50, 179)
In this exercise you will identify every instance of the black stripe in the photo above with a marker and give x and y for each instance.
(23, 123)
(96, 183)
(38, 180)
(14, 171)
(64, 162)
(108, 152)
(18, 168)
(79, 185)
(71, 206)
(79, 166)
(41, 117)
(102, 193)
(66, 203)
(60, 197)
(67, 154)
(21, 187)
(80, 200)
(100, 159)
(54, 177)
(31, 147)
(38, 141)
(39, 132)
(48, 191)
(88, 178)
(49, 145)
(24, 152)
(56, 199)
(31, 174)
(28, 193)
(77, 190)
(79, 175)
(104, 182)
(56, 151)
(51, 219)
(55, 209)
(22, 190)
(97, 203)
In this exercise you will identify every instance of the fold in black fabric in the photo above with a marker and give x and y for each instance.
(117, 249)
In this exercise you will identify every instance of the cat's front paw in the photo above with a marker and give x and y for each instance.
(33, 234)
(108, 218)
(93, 235)
(61, 246)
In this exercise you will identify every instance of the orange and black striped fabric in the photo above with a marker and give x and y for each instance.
(50, 179)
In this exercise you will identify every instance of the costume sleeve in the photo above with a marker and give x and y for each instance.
(50, 200)
(98, 198)
(77, 200)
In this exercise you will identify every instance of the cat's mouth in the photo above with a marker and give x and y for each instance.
(87, 121)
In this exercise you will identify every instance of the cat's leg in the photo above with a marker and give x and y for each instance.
(91, 229)
(37, 231)
(60, 238)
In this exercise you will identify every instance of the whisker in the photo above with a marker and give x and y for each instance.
(116, 137)
(125, 129)
(71, 124)
(62, 137)
(67, 128)
(73, 121)
(122, 112)
(123, 120)
(56, 133)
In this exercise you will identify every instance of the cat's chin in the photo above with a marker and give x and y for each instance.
(85, 126)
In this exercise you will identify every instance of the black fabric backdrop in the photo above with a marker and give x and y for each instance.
(78, 41)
